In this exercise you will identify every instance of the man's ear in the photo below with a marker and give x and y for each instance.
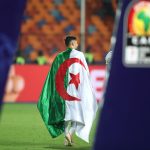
(72, 43)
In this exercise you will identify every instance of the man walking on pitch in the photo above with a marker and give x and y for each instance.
(67, 103)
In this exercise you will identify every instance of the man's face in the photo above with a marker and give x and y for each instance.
(74, 44)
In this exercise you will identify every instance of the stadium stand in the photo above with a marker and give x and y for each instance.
(47, 22)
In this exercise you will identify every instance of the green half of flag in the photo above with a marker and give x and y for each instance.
(51, 105)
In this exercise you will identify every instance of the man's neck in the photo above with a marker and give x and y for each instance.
(70, 48)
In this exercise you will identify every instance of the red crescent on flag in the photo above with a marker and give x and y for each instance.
(60, 75)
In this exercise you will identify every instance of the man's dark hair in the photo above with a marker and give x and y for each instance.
(68, 39)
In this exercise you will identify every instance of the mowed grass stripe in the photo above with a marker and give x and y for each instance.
(21, 128)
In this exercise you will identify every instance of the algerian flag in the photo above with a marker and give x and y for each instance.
(67, 95)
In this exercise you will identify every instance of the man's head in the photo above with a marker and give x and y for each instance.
(71, 42)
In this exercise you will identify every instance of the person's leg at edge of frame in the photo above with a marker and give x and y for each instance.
(72, 130)
(67, 141)
(70, 127)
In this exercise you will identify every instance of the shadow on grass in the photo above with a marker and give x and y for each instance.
(43, 146)
(21, 143)
(58, 147)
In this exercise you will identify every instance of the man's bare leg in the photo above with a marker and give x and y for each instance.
(67, 141)
(72, 129)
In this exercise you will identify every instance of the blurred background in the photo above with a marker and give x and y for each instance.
(46, 23)
(44, 26)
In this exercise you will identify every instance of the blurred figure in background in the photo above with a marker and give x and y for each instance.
(19, 58)
(41, 59)
(108, 63)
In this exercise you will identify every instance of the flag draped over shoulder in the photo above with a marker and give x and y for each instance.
(67, 95)
(51, 105)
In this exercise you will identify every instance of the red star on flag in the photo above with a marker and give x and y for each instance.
(75, 79)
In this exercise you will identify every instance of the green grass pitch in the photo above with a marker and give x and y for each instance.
(21, 128)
